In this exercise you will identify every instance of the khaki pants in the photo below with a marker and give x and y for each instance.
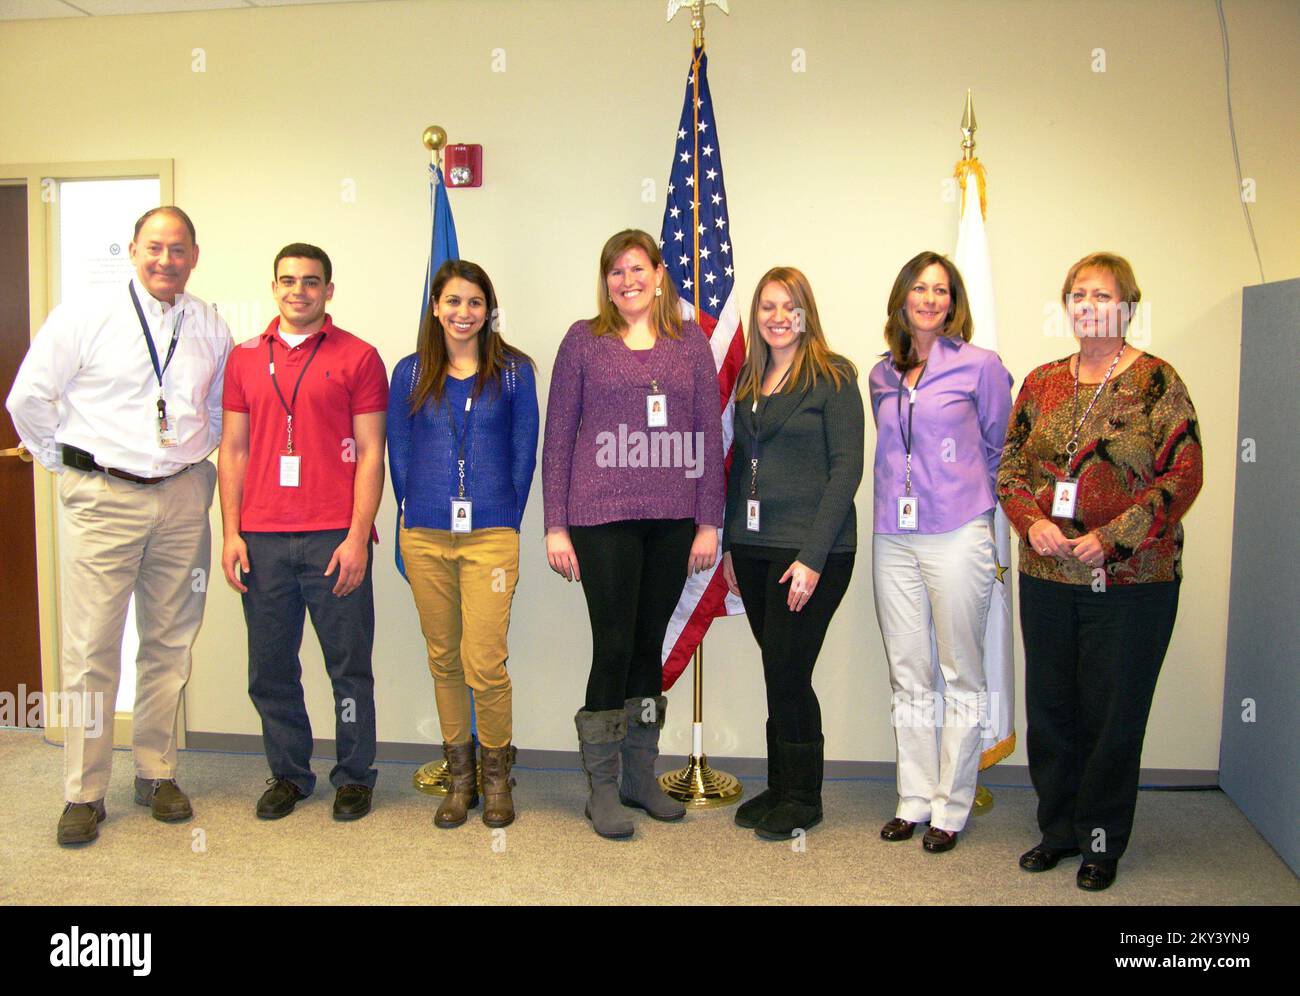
(121, 538)
(463, 585)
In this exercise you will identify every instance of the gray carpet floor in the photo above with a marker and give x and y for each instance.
(1189, 848)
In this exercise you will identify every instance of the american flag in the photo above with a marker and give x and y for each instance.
(696, 246)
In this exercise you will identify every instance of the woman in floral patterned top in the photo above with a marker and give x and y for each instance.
(1102, 460)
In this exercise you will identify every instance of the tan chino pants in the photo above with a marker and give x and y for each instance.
(463, 585)
(120, 538)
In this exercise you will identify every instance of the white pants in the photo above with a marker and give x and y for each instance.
(119, 538)
(946, 580)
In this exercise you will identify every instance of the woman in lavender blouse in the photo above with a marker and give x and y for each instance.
(941, 408)
(632, 499)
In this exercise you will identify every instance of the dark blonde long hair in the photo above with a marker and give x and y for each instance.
(898, 335)
(431, 351)
(812, 358)
(667, 315)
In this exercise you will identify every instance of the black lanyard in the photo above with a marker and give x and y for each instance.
(460, 437)
(759, 403)
(911, 407)
(293, 402)
(158, 368)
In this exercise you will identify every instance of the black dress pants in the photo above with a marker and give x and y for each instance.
(790, 641)
(1091, 663)
(633, 573)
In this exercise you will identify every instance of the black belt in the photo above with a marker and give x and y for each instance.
(79, 459)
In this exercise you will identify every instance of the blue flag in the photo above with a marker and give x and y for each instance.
(442, 247)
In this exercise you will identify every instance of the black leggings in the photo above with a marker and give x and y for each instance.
(633, 573)
(790, 641)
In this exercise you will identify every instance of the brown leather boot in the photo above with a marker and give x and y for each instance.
(498, 806)
(464, 786)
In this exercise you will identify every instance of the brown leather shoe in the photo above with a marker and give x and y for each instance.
(464, 786)
(80, 821)
(164, 798)
(937, 841)
(897, 829)
(498, 806)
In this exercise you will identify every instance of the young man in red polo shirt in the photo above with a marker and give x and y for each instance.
(301, 471)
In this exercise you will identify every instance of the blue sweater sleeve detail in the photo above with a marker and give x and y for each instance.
(399, 427)
(399, 443)
(524, 425)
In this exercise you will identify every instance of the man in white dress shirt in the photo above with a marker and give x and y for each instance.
(120, 395)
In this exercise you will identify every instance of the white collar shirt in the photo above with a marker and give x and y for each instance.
(88, 381)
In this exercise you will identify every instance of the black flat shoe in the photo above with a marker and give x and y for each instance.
(897, 829)
(937, 841)
(351, 802)
(1041, 858)
(278, 801)
(1096, 875)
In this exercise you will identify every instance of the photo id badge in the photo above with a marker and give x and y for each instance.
(290, 465)
(751, 515)
(656, 410)
(908, 510)
(462, 515)
(167, 432)
(1063, 499)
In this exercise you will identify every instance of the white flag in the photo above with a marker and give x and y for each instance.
(972, 259)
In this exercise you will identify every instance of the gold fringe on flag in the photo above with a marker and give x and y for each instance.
(964, 168)
(999, 751)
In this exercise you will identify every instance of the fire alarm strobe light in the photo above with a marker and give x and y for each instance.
(463, 165)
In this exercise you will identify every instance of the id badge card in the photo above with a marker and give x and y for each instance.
(751, 515)
(167, 436)
(462, 515)
(656, 410)
(1064, 498)
(290, 467)
(908, 512)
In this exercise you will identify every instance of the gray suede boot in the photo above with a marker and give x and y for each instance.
(600, 735)
(640, 788)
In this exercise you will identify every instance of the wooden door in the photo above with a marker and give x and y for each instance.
(20, 659)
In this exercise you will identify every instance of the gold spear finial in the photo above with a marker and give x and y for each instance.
(968, 129)
(697, 14)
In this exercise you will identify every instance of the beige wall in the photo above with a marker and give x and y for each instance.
(838, 170)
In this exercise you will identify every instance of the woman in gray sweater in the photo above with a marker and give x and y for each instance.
(791, 529)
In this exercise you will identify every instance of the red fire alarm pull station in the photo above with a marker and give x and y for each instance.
(463, 165)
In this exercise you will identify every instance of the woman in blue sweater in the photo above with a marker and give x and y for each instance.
(462, 446)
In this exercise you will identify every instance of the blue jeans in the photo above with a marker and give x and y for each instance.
(287, 576)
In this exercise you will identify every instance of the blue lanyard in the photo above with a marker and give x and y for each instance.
(158, 369)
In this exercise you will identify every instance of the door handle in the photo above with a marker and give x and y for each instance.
(20, 451)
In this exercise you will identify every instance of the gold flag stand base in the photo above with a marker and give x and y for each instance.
(700, 787)
(983, 801)
(434, 778)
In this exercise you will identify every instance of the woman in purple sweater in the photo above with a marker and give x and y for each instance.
(632, 495)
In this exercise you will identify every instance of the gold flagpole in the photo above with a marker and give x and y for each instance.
(698, 785)
(983, 797)
(434, 778)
